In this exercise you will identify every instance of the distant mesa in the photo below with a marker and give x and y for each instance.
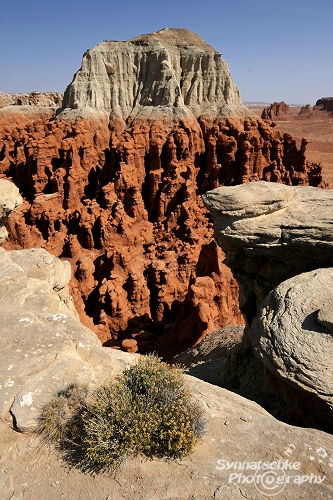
(281, 109)
(325, 103)
(44, 99)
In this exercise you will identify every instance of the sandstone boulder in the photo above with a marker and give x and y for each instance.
(291, 338)
(272, 217)
(270, 234)
(43, 344)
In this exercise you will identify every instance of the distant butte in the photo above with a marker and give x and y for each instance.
(112, 182)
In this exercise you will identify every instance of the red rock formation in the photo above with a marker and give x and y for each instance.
(124, 207)
(113, 183)
(275, 110)
(305, 109)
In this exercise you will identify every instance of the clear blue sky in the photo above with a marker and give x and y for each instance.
(276, 49)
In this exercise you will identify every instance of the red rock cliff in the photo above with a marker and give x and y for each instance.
(119, 197)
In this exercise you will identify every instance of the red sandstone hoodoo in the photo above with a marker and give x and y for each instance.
(112, 183)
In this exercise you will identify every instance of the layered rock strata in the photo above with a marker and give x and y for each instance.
(41, 99)
(167, 74)
(114, 186)
(270, 234)
(295, 345)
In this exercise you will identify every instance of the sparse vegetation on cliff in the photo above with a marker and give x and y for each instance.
(147, 410)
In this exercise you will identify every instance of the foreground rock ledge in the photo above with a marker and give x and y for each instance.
(43, 344)
(238, 430)
(45, 348)
(279, 235)
(270, 233)
(268, 218)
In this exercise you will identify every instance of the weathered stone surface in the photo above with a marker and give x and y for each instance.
(296, 348)
(10, 199)
(42, 342)
(169, 74)
(271, 233)
(275, 231)
(237, 431)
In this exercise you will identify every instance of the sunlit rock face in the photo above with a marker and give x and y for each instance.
(172, 73)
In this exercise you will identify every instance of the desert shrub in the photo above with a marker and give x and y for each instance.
(60, 419)
(146, 410)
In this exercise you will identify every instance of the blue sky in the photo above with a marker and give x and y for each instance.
(276, 49)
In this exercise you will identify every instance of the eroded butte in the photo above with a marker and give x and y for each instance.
(112, 181)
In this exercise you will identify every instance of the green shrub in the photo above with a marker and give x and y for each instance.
(146, 410)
